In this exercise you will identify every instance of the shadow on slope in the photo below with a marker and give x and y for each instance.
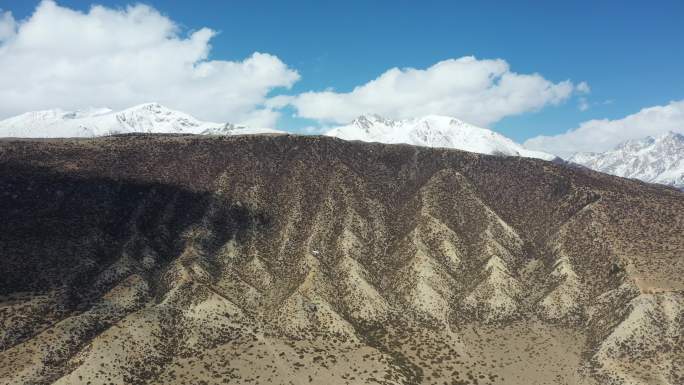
(60, 231)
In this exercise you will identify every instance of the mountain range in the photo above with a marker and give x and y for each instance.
(433, 131)
(653, 160)
(144, 118)
(286, 259)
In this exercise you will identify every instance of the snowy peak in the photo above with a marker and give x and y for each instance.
(153, 117)
(237, 129)
(671, 141)
(370, 120)
(143, 118)
(635, 144)
(657, 159)
(433, 131)
(663, 141)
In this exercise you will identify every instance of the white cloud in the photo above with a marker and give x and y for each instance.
(583, 88)
(8, 25)
(117, 58)
(477, 91)
(583, 104)
(604, 134)
(120, 57)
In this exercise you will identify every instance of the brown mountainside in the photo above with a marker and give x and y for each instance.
(162, 259)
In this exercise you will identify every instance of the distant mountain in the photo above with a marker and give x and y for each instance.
(433, 131)
(654, 160)
(144, 118)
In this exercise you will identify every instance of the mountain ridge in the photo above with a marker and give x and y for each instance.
(651, 159)
(433, 131)
(143, 118)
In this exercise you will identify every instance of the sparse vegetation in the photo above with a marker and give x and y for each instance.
(281, 259)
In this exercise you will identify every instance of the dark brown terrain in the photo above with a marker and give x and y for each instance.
(293, 260)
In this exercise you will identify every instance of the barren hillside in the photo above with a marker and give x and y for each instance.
(161, 259)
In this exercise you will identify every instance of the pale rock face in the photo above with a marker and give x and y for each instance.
(650, 332)
(566, 296)
(496, 297)
(144, 118)
(654, 160)
(433, 131)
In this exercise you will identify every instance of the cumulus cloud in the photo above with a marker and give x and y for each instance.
(478, 91)
(60, 57)
(604, 134)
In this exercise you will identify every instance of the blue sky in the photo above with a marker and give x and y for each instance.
(629, 52)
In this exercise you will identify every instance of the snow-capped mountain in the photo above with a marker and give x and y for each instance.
(144, 118)
(433, 131)
(654, 160)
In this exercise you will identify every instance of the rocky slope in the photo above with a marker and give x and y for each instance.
(160, 259)
(433, 131)
(144, 118)
(654, 160)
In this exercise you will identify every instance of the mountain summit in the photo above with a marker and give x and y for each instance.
(654, 160)
(143, 118)
(433, 131)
